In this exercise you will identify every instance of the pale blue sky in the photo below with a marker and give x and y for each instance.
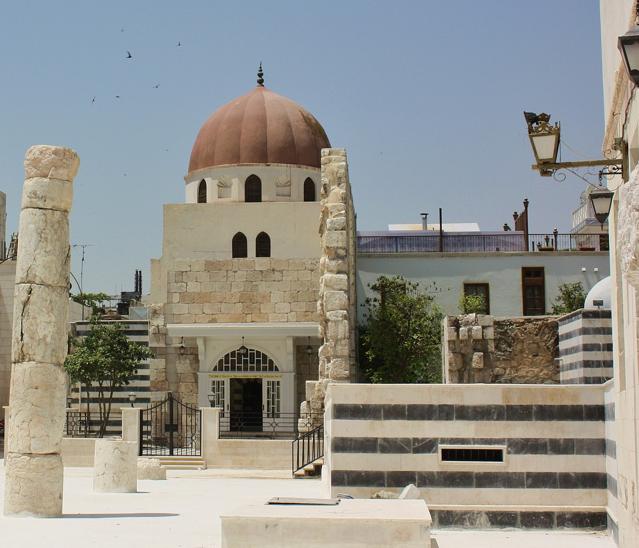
(427, 97)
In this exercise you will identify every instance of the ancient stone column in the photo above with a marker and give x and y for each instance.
(37, 399)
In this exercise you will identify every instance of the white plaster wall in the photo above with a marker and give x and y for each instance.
(615, 19)
(502, 271)
(205, 231)
(280, 182)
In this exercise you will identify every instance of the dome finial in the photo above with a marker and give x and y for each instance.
(260, 76)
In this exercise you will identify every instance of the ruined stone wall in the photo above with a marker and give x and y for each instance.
(337, 297)
(480, 348)
(224, 291)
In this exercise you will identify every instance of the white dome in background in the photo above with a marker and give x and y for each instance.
(601, 291)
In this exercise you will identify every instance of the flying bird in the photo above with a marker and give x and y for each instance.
(179, 44)
(93, 100)
(156, 86)
(117, 96)
(128, 55)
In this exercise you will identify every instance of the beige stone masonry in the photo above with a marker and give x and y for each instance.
(485, 349)
(34, 472)
(337, 299)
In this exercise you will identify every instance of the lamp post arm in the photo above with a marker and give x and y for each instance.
(585, 163)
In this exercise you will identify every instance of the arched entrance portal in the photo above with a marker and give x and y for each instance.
(245, 384)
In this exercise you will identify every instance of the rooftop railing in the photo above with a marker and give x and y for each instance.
(478, 242)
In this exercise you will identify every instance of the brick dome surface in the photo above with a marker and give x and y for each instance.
(260, 127)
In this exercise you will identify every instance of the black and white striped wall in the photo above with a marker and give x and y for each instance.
(585, 347)
(551, 439)
(137, 331)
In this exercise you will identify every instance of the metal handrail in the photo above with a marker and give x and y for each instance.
(270, 425)
(307, 448)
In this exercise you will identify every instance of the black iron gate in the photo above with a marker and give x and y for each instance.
(170, 427)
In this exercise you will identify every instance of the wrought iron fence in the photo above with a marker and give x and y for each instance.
(246, 424)
(170, 427)
(307, 448)
(469, 242)
(87, 424)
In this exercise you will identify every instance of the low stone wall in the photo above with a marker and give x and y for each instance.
(553, 439)
(482, 348)
(585, 347)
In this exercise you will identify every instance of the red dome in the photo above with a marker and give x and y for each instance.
(260, 127)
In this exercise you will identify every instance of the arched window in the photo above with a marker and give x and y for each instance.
(263, 245)
(201, 192)
(309, 190)
(240, 247)
(253, 189)
(250, 360)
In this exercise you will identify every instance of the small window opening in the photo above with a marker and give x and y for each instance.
(253, 189)
(201, 192)
(263, 245)
(239, 246)
(309, 190)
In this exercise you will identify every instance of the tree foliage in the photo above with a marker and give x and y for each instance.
(472, 304)
(401, 336)
(571, 297)
(92, 300)
(104, 359)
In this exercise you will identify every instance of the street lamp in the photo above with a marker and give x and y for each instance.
(211, 400)
(629, 47)
(132, 397)
(544, 138)
(309, 348)
(601, 200)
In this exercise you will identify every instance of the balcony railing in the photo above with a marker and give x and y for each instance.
(478, 242)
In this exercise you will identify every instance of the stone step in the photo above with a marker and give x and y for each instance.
(182, 463)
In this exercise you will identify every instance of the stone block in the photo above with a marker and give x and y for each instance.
(151, 469)
(51, 162)
(335, 300)
(115, 466)
(476, 332)
(463, 333)
(455, 361)
(40, 327)
(451, 333)
(485, 320)
(478, 360)
(44, 248)
(33, 485)
(489, 332)
(38, 400)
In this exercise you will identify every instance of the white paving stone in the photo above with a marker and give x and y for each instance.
(183, 512)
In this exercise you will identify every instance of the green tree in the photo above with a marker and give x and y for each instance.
(92, 300)
(104, 359)
(571, 297)
(401, 336)
(472, 304)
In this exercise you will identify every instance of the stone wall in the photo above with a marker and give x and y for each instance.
(337, 293)
(7, 285)
(480, 348)
(551, 444)
(224, 291)
(585, 347)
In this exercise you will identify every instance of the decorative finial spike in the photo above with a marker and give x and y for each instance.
(260, 76)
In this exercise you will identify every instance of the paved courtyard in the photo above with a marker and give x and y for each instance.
(183, 511)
